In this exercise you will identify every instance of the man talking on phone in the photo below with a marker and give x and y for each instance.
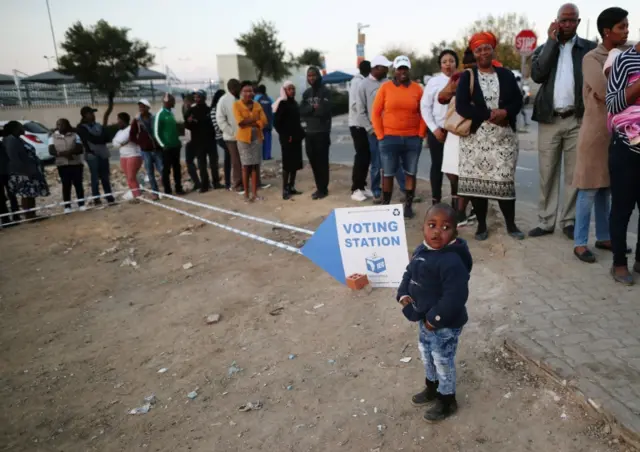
(558, 109)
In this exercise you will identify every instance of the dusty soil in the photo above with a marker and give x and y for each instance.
(82, 339)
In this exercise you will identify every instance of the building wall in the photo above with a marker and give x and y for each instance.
(241, 68)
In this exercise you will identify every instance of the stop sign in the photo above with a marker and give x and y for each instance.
(526, 42)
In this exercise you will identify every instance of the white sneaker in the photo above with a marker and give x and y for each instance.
(368, 193)
(359, 196)
(67, 210)
(82, 208)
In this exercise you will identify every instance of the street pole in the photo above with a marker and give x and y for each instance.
(361, 43)
(55, 50)
(161, 50)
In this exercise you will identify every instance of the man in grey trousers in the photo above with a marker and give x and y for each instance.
(558, 108)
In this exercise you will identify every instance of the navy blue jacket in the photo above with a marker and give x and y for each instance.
(474, 106)
(438, 283)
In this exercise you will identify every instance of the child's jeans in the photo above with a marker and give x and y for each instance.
(438, 352)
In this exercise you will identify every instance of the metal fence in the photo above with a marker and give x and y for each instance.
(40, 95)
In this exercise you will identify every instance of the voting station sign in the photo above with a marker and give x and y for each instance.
(366, 240)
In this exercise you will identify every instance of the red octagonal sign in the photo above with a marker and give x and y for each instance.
(526, 42)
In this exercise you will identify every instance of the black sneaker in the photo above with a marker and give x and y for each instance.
(408, 212)
(472, 215)
(444, 407)
(428, 395)
(286, 194)
(462, 219)
(569, 232)
(539, 232)
(180, 191)
(293, 191)
(319, 195)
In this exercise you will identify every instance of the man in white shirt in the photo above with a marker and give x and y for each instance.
(558, 109)
(228, 125)
(362, 158)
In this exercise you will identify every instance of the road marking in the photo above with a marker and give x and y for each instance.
(523, 168)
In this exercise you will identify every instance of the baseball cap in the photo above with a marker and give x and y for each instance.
(380, 60)
(145, 102)
(401, 61)
(87, 109)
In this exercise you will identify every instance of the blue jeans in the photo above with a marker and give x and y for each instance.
(152, 161)
(438, 352)
(375, 174)
(599, 199)
(400, 153)
(266, 144)
(100, 170)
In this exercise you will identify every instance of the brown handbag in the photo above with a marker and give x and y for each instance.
(453, 122)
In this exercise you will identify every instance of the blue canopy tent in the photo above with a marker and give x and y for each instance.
(336, 77)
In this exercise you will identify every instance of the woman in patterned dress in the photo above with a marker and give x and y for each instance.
(26, 174)
(488, 156)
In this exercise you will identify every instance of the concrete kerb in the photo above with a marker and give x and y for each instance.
(624, 423)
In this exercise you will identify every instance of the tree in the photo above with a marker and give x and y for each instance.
(266, 52)
(505, 27)
(310, 57)
(103, 57)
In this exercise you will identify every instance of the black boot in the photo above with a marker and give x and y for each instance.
(408, 204)
(444, 406)
(386, 198)
(428, 394)
(286, 194)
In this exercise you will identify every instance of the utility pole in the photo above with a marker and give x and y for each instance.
(161, 51)
(360, 44)
(55, 51)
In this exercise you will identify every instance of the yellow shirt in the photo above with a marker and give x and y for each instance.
(241, 112)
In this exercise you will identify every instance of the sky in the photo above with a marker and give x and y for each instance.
(195, 31)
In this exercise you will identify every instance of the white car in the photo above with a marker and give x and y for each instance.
(37, 136)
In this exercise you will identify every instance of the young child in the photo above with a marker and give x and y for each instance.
(433, 292)
(628, 121)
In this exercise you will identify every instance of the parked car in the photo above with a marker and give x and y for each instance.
(36, 135)
(526, 89)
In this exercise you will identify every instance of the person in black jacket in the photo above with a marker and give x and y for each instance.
(315, 111)
(287, 124)
(203, 140)
(434, 293)
(189, 150)
(5, 193)
(488, 155)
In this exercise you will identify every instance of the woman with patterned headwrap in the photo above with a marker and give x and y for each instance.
(489, 154)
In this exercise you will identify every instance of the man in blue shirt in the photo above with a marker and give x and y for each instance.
(266, 102)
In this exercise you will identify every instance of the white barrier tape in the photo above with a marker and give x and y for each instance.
(283, 246)
(57, 204)
(42, 217)
(231, 212)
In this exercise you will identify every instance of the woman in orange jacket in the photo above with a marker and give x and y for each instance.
(400, 128)
(251, 120)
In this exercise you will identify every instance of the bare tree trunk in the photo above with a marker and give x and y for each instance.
(110, 97)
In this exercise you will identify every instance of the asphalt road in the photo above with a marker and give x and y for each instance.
(527, 176)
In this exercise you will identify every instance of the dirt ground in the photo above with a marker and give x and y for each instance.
(82, 338)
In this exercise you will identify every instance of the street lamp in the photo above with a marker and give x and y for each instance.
(55, 50)
(49, 58)
(161, 50)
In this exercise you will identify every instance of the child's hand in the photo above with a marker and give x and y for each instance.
(429, 326)
(405, 300)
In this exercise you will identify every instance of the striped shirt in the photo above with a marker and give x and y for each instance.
(625, 67)
(215, 124)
